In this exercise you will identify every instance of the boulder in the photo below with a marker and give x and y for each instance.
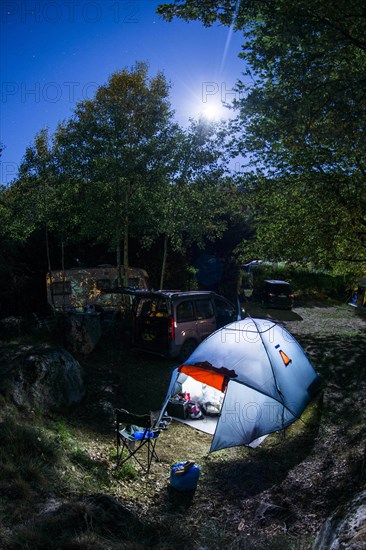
(42, 378)
(12, 326)
(94, 521)
(83, 332)
(346, 528)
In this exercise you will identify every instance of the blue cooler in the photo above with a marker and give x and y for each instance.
(188, 480)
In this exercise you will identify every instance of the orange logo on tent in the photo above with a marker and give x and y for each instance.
(285, 358)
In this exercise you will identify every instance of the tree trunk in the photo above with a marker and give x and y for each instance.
(118, 257)
(163, 266)
(125, 251)
(63, 273)
(125, 242)
(117, 229)
(49, 263)
(62, 255)
(126, 234)
(47, 249)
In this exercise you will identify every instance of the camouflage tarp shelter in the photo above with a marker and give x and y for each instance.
(76, 288)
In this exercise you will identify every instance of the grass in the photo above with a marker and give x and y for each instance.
(43, 459)
(56, 470)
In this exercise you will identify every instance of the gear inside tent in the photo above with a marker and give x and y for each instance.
(247, 380)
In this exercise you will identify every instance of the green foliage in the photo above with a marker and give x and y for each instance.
(5, 212)
(62, 431)
(36, 458)
(305, 219)
(188, 201)
(306, 282)
(301, 103)
(29, 441)
(126, 472)
(29, 460)
(113, 148)
(37, 199)
(119, 168)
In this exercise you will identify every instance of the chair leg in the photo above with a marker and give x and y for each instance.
(121, 446)
(151, 443)
(131, 452)
(132, 447)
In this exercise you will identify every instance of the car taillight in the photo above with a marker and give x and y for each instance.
(171, 329)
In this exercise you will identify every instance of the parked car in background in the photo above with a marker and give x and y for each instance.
(173, 323)
(278, 294)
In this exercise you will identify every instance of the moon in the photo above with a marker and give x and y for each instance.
(211, 111)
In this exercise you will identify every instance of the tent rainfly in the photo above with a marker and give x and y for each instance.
(256, 372)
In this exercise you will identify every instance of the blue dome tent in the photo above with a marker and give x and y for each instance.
(256, 375)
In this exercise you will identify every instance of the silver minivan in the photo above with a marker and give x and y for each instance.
(173, 323)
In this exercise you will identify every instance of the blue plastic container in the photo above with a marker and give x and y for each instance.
(186, 482)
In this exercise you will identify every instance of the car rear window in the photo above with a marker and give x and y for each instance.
(224, 308)
(185, 311)
(204, 309)
(279, 288)
(152, 308)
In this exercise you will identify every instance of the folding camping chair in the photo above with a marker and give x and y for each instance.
(136, 433)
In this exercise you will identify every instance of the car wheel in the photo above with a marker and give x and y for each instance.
(187, 348)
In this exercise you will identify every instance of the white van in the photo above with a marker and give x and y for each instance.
(173, 323)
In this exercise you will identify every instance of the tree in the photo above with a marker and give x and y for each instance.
(190, 196)
(302, 105)
(109, 146)
(30, 193)
(293, 221)
(42, 196)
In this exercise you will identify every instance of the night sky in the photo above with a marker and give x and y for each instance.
(57, 52)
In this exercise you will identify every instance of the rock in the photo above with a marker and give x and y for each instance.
(107, 410)
(12, 326)
(97, 515)
(346, 528)
(108, 512)
(83, 332)
(268, 510)
(42, 378)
